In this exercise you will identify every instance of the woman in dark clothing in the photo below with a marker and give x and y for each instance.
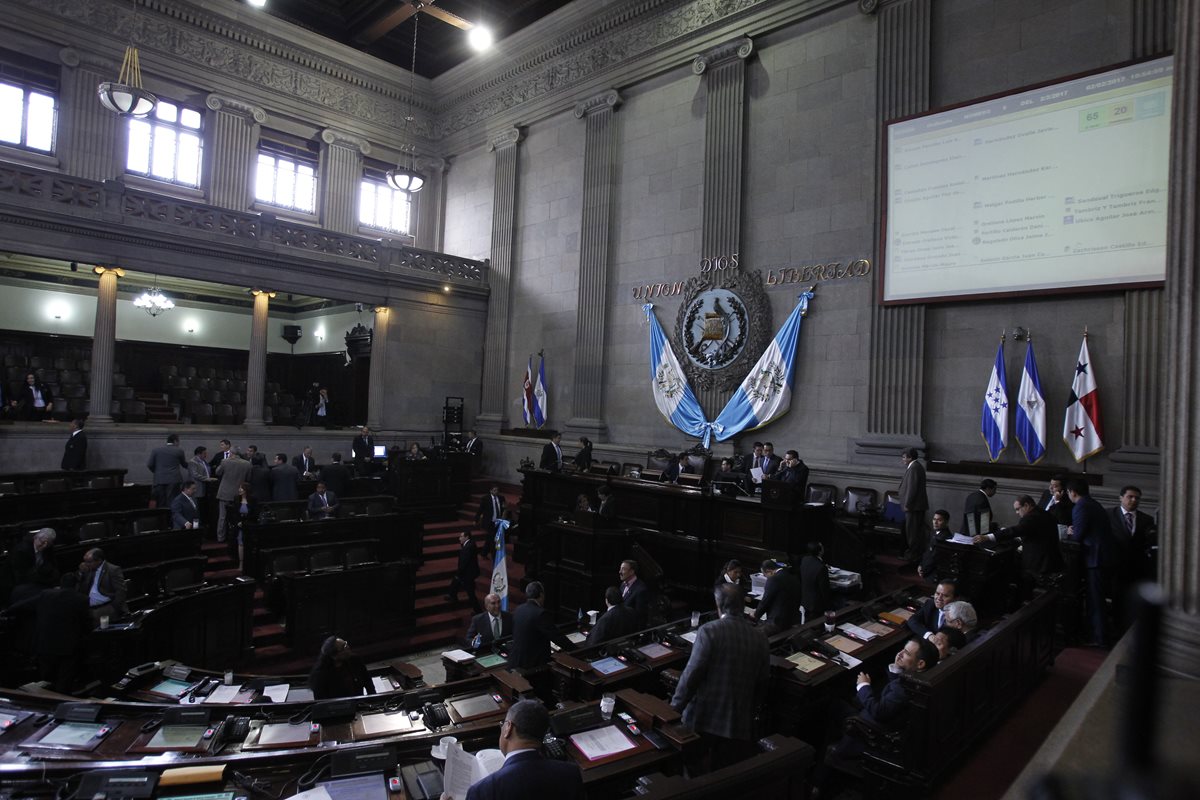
(583, 459)
(338, 672)
(245, 513)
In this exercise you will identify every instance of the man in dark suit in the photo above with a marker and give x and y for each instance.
(466, 572)
(927, 569)
(185, 512)
(526, 772)
(977, 505)
(32, 561)
(533, 631)
(200, 472)
(725, 479)
(473, 445)
(103, 585)
(285, 479)
(1090, 527)
(793, 471)
(362, 449)
(305, 464)
(322, 504)
(260, 478)
(780, 604)
(931, 615)
(725, 680)
(634, 591)
(35, 402)
(617, 620)
(224, 453)
(771, 462)
(75, 451)
(1038, 535)
(63, 622)
(608, 502)
(1134, 536)
(233, 472)
(552, 454)
(491, 508)
(335, 475)
(1054, 499)
(165, 463)
(816, 595)
(676, 468)
(915, 502)
(491, 624)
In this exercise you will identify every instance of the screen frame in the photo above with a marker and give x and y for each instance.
(1024, 293)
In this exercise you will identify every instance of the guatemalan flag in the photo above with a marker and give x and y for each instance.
(672, 394)
(539, 395)
(1031, 411)
(994, 423)
(1081, 428)
(527, 401)
(500, 564)
(766, 393)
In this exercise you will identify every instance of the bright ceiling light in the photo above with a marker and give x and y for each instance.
(480, 38)
(257, 3)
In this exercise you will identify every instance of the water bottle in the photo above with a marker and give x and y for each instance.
(478, 640)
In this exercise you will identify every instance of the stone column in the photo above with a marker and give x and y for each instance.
(1179, 518)
(89, 131)
(256, 366)
(342, 171)
(494, 410)
(587, 393)
(103, 341)
(723, 69)
(377, 389)
(431, 204)
(897, 332)
(232, 145)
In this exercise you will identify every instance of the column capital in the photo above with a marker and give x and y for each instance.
(431, 163)
(381, 309)
(260, 291)
(739, 48)
(71, 57)
(231, 105)
(503, 139)
(101, 270)
(341, 138)
(604, 101)
(868, 6)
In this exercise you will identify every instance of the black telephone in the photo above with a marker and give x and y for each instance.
(555, 747)
(826, 649)
(422, 781)
(235, 729)
(436, 716)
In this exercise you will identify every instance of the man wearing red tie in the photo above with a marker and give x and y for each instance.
(322, 504)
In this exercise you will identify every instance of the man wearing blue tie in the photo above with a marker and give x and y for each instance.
(322, 504)
(552, 454)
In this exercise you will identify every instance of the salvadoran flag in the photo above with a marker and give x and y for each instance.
(527, 400)
(1081, 427)
(994, 422)
(766, 393)
(1031, 411)
(672, 394)
(539, 395)
(500, 564)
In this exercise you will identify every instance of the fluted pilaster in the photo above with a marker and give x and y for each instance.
(103, 343)
(493, 414)
(235, 126)
(256, 365)
(431, 203)
(342, 168)
(376, 391)
(1153, 27)
(89, 131)
(1179, 546)
(598, 159)
(894, 398)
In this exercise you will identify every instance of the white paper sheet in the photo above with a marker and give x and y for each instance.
(382, 684)
(602, 742)
(462, 770)
(277, 692)
(223, 694)
(857, 632)
(959, 538)
(458, 656)
(756, 474)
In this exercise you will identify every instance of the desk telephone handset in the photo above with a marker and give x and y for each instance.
(235, 729)
(436, 716)
(555, 747)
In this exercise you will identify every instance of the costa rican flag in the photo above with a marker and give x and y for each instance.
(994, 422)
(1081, 427)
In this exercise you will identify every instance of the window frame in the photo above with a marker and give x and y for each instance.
(32, 76)
(279, 146)
(178, 127)
(377, 176)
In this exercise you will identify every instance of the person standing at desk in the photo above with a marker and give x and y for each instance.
(634, 591)
(977, 505)
(322, 504)
(75, 451)
(533, 631)
(725, 680)
(526, 772)
(335, 475)
(915, 502)
(676, 468)
(362, 449)
(165, 463)
(185, 512)
(617, 620)
(199, 470)
(583, 459)
(780, 604)
(285, 480)
(552, 454)
(491, 624)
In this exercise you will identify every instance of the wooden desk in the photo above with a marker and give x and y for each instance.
(362, 604)
(16, 507)
(399, 536)
(984, 573)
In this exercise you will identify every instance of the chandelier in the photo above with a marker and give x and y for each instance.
(154, 302)
(126, 96)
(404, 177)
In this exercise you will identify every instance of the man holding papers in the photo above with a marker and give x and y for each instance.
(721, 686)
(526, 772)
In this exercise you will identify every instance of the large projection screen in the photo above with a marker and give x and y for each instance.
(1062, 187)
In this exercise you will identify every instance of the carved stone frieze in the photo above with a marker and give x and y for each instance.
(50, 186)
(438, 263)
(598, 102)
(220, 103)
(740, 47)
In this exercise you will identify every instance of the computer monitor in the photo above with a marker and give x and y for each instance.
(379, 451)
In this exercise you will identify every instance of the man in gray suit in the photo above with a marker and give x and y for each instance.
(915, 503)
(724, 680)
(200, 471)
(233, 472)
(165, 462)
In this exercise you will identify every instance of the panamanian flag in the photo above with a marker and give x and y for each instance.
(766, 393)
(1081, 427)
(672, 394)
(1031, 411)
(994, 422)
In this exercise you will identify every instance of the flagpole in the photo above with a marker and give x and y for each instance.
(1085, 459)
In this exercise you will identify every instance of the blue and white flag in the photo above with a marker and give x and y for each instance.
(995, 408)
(672, 394)
(1031, 411)
(540, 412)
(766, 393)
(500, 564)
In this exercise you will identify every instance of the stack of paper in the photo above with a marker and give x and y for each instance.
(602, 742)
(857, 632)
(464, 769)
(458, 656)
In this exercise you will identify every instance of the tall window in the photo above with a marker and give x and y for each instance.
(28, 102)
(166, 145)
(287, 175)
(380, 206)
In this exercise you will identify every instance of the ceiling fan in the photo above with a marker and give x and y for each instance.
(391, 20)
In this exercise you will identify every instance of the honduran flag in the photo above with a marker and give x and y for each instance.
(1031, 411)
(500, 564)
(1081, 427)
(766, 393)
(672, 394)
(994, 422)
(539, 395)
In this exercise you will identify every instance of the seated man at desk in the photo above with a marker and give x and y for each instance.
(961, 615)
(676, 468)
(727, 481)
(490, 625)
(526, 772)
(932, 616)
(617, 620)
(103, 584)
(322, 504)
(947, 640)
(338, 672)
